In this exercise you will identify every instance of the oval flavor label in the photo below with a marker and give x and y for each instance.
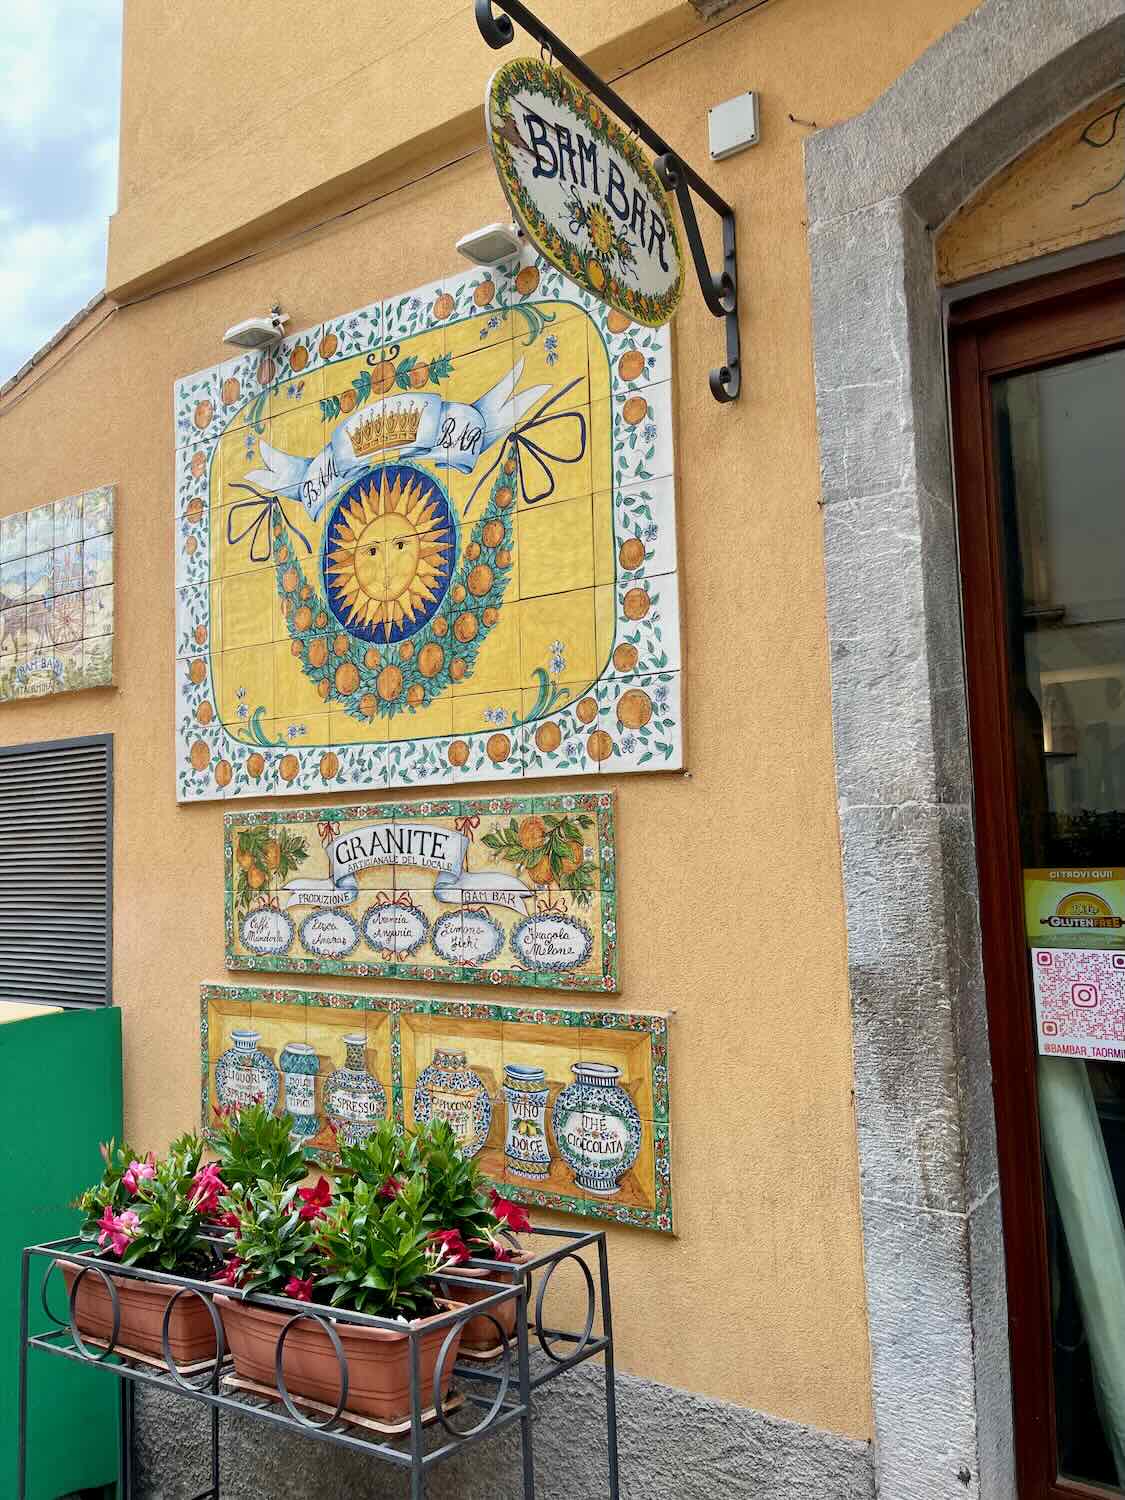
(329, 934)
(552, 941)
(399, 930)
(267, 931)
(467, 937)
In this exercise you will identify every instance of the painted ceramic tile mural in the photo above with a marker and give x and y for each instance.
(432, 541)
(56, 596)
(564, 1109)
(505, 891)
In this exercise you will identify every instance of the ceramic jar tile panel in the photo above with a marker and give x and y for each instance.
(429, 542)
(56, 596)
(562, 1109)
(517, 891)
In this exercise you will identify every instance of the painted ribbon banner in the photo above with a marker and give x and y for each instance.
(516, 891)
(414, 846)
(584, 191)
(424, 427)
(562, 1109)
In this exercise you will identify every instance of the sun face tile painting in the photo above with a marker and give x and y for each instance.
(507, 891)
(56, 596)
(432, 541)
(563, 1109)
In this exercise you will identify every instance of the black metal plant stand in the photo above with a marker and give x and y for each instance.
(509, 1403)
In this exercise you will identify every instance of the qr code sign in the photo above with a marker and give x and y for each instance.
(1080, 1002)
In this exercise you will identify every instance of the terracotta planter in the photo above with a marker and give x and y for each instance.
(480, 1333)
(191, 1334)
(378, 1359)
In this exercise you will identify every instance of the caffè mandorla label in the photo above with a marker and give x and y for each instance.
(584, 190)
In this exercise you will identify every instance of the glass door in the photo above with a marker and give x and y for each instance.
(1040, 449)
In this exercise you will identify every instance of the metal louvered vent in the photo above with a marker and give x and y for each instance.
(56, 871)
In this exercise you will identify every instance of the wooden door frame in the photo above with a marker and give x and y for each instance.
(1034, 323)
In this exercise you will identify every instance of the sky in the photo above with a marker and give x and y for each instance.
(60, 84)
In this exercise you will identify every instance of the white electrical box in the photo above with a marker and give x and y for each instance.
(733, 125)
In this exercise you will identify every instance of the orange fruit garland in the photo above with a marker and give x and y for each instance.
(548, 737)
(635, 604)
(634, 708)
(631, 553)
(347, 678)
(599, 746)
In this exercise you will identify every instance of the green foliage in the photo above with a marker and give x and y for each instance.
(110, 1192)
(168, 1236)
(378, 1252)
(254, 1145)
(265, 857)
(561, 836)
(377, 1160)
(456, 1195)
(272, 1242)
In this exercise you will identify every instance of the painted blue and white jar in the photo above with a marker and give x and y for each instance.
(244, 1074)
(299, 1067)
(526, 1150)
(353, 1100)
(449, 1090)
(597, 1128)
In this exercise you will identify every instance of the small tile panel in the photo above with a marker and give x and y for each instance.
(56, 596)
(513, 891)
(563, 1109)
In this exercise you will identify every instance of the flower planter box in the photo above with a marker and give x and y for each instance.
(378, 1358)
(480, 1333)
(191, 1333)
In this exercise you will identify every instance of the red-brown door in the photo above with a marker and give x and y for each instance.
(1038, 385)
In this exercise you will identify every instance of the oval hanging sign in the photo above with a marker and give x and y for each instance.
(584, 191)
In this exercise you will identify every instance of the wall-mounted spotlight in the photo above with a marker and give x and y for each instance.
(493, 243)
(258, 333)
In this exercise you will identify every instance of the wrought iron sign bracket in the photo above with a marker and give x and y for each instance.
(720, 292)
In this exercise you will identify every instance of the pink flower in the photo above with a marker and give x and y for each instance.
(391, 1188)
(207, 1187)
(452, 1249)
(117, 1229)
(138, 1172)
(315, 1199)
(511, 1215)
(300, 1291)
(232, 1270)
(229, 1221)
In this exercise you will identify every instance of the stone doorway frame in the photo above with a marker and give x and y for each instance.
(878, 186)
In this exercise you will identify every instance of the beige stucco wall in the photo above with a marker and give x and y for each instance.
(730, 903)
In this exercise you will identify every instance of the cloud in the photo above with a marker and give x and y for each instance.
(60, 75)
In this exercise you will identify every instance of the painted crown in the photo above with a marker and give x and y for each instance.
(386, 429)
